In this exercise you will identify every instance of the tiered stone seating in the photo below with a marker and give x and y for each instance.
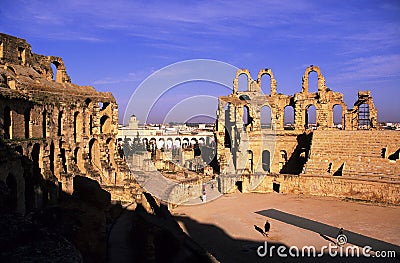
(359, 152)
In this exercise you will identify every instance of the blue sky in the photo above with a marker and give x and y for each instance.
(116, 45)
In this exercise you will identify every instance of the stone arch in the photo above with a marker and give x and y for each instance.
(321, 79)
(110, 142)
(283, 158)
(169, 143)
(94, 154)
(266, 117)
(177, 142)
(161, 143)
(246, 115)
(57, 64)
(8, 123)
(103, 105)
(236, 80)
(105, 124)
(266, 160)
(202, 141)
(310, 119)
(193, 141)
(288, 117)
(185, 143)
(268, 72)
(78, 126)
(336, 117)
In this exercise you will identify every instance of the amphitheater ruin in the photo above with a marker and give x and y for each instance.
(52, 130)
(65, 130)
(356, 161)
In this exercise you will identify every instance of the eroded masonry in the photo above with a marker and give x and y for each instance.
(253, 140)
(51, 129)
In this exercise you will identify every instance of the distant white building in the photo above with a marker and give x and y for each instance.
(165, 137)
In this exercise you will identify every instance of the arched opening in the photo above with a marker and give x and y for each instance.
(90, 124)
(337, 116)
(250, 161)
(19, 149)
(266, 160)
(161, 144)
(266, 84)
(363, 117)
(7, 123)
(57, 75)
(111, 151)
(21, 55)
(169, 143)
(177, 143)
(52, 158)
(35, 155)
(12, 198)
(63, 159)
(243, 81)
(229, 119)
(94, 154)
(266, 117)
(193, 141)
(310, 118)
(27, 122)
(288, 118)
(185, 143)
(60, 123)
(44, 124)
(78, 125)
(313, 81)
(246, 115)
(105, 124)
(283, 159)
(103, 105)
(78, 159)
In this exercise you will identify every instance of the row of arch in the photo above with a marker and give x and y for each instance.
(243, 81)
(174, 143)
(12, 120)
(266, 117)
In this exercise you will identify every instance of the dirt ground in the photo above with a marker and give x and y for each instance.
(225, 226)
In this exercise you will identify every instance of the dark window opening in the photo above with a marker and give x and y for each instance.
(27, 119)
(44, 124)
(239, 186)
(276, 186)
(7, 123)
(266, 160)
(60, 123)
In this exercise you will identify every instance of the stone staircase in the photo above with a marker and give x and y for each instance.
(153, 182)
(355, 154)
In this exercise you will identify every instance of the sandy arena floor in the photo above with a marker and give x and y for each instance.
(225, 226)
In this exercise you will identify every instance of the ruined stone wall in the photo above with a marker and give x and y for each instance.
(59, 128)
(251, 123)
(341, 187)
